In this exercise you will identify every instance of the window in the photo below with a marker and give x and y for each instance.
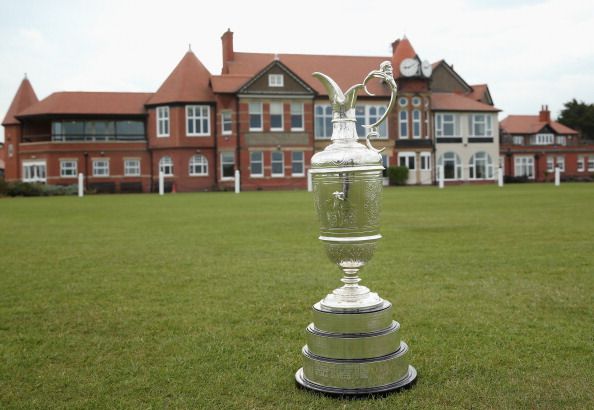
(100, 168)
(162, 121)
(550, 163)
(197, 120)
(369, 114)
(278, 164)
(416, 101)
(99, 130)
(425, 161)
(481, 166)
(416, 124)
(276, 116)
(480, 125)
(543, 139)
(276, 80)
(255, 111)
(518, 140)
(445, 125)
(407, 159)
(297, 164)
(227, 165)
(386, 165)
(561, 163)
(524, 167)
(590, 163)
(131, 167)
(256, 164)
(403, 116)
(226, 123)
(581, 163)
(323, 121)
(34, 171)
(452, 166)
(198, 165)
(297, 117)
(561, 140)
(402, 101)
(166, 166)
(68, 168)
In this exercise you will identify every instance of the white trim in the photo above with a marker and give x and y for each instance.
(96, 168)
(200, 161)
(261, 114)
(276, 80)
(197, 117)
(272, 162)
(36, 166)
(126, 167)
(162, 165)
(223, 122)
(427, 156)
(260, 161)
(276, 105)
(165, 120)
(224, 178)
(74, 169)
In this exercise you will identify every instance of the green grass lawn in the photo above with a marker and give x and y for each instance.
(201, 300)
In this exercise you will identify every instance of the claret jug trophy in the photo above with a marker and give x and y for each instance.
(353, 345)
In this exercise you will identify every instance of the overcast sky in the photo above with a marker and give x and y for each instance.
(530, 52)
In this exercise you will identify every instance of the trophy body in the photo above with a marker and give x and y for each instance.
(353, 346)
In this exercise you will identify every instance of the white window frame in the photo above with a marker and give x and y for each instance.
(416, 101)
(550, 163)
(163, 122)
(275, 106)
(458, 175)
(523, 162)
(300, 161)
(544, 139)
(364, 116)
(255, 113)
(325, 132)
(273, 162)
(166, 166)
(66, 168)
(561, 140)
(259, 161)
(417, 122)
(403, 121)
(224, 161)
(408, 158)
(276, 80)
(226, 121)
(474, 162)
(297, 111)
(425, 164)
(440, 123)
(477, 120)
(131, 167)
(560, 163)
(403, 101)
(196, 115)
(34, 171)
(518, 140)
(581, 163)
(200, 162)
(591, 163)
(100, 167)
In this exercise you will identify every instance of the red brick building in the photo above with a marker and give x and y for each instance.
(264, 115)
(532, 146)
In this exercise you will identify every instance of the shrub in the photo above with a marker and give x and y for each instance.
(34, 189)
(3, 187)
(510, 180)
(398, 175)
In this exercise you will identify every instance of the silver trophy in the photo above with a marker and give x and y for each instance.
(353, 346)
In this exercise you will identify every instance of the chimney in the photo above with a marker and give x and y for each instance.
(544, 115)
(228, 53)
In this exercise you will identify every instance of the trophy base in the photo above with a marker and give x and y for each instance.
(404, 383)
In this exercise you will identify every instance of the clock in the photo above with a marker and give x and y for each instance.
(426, 68)
(409, 67)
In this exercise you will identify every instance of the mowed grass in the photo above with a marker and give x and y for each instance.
(201, 300)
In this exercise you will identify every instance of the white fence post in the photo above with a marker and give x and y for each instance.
(441, 176)
(237, 181)
(81, 186)
(309, 181)
(500, 176)
(557, 176)
(161, 183)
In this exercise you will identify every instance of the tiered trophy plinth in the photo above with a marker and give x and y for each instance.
(354, 352)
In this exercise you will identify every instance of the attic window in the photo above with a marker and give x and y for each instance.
(275, 80)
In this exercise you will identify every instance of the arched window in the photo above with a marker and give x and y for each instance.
(416, 123)
(198, 165)
(452, 166)
(480, 166)
(166, 166)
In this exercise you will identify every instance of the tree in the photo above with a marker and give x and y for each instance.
(579, 116)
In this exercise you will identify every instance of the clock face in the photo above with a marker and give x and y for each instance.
(426, 68)
(409, 67)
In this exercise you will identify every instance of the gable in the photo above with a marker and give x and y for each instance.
(291, 84)
(445, 79)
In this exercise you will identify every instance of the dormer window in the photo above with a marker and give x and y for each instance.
(276, 80)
